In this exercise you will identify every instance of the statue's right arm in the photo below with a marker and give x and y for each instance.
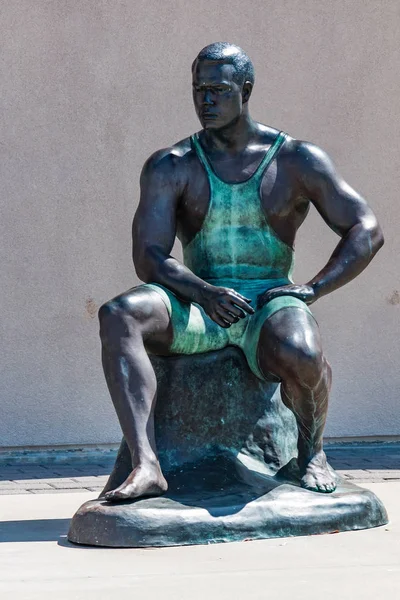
(154, 229)
(162, 184)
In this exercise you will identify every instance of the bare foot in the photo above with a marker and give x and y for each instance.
(145, 480)
(317, 475)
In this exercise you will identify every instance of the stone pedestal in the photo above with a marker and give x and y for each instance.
(223, 436)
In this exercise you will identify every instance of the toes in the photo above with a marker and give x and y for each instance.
(313, 485)
(110, 496)
(115, 495)
(326, 488)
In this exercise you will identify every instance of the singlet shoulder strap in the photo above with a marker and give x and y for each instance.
(201, 154)
(271, 153)
(266, 161)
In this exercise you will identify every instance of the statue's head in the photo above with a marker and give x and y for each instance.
(223, 78)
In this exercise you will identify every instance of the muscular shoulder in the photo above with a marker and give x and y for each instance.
(266, 134)
(168, 165)
(307, 159)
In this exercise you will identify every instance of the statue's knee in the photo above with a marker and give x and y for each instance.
(113, 319)
(125, 316)
(303, 360)
(104, 313)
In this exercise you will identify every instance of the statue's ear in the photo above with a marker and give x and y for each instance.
(246, 91)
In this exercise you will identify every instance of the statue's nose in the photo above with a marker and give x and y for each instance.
(207, 97)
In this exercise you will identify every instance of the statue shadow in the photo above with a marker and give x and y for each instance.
(33, 530)
(222, 485)
(37, 530)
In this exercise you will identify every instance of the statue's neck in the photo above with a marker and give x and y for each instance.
(234, 137)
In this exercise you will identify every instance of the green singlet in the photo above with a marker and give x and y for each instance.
(235, 248)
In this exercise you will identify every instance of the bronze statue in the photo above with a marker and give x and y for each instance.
(235, 194)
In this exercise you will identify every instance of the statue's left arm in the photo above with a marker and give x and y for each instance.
(346, 213)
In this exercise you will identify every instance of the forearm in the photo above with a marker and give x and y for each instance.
(350, 257)
(172, 274)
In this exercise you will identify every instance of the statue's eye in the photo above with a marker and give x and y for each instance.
(222, 89)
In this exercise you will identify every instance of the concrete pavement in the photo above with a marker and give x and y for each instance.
(37, 562)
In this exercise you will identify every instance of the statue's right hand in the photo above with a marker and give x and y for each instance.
(225, 306)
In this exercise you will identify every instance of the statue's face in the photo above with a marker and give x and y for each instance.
(216, 96)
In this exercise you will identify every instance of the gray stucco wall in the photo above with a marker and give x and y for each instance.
(88, 90)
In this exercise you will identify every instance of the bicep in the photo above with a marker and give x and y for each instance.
(154, 224)
(338, 203)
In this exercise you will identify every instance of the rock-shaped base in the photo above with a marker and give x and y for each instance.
(223, 501)
(222, 436)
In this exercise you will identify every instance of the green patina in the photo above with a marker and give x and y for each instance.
(236, 241)
(235, 248)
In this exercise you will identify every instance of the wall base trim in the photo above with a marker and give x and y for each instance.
(100, 453)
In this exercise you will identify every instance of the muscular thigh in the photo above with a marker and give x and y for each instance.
(144, 311)
(289, 340)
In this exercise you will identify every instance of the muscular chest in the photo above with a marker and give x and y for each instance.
(275, 196)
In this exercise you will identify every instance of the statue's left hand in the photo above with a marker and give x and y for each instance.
(304, 292)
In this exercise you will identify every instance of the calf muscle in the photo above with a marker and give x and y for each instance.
(290, 347)
(125, 323)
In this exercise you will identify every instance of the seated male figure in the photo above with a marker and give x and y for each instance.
(235, 194)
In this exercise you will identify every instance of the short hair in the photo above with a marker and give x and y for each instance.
(225, 52)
